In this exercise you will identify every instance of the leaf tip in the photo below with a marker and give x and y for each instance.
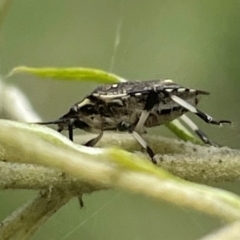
(16, 70)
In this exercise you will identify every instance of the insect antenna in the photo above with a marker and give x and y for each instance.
(61, 122)
(50, 122)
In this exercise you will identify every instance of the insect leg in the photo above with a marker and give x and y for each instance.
(143, 143)
(123, 126)
(195, 128)
(60, 129)
(80, 200)
(205, 117)
(71, 125)
(94, 141)
(151, 100)
(70, 131)
(143, 117)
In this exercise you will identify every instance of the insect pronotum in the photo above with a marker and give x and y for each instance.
(133, 106)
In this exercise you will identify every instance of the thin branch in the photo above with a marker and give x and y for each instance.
(184, 159)
(35, 177)
(111, 168)
(217, 165)
(26, 220)
(229, 232)
(15, 105)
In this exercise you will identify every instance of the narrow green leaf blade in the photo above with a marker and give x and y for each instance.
(180, 131)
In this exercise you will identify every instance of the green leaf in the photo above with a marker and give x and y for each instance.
(75, 74)
(180, 131)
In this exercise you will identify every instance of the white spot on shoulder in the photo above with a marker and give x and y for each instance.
(114, 85)
(169, 90)
(84, 102)
(180, 90)
(138, 94)
(168, 81)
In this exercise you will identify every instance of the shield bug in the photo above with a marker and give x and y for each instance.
(134, 106)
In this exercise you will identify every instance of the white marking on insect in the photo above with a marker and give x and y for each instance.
(85, 102)
(168, 81)
(181, 90)
(209, 118)
(184, 104)
(118, 101)
(138, 94)
(142, 120)
(192, 90)
(110, 96)
(114, 85)
(169, 90)
(189, 122)
(139, 139)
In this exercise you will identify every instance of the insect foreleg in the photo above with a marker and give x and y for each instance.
(205, 117)
(70, 130)
(123, 126)
(60, 129)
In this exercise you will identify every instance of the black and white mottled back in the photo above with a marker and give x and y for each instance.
(111, 104)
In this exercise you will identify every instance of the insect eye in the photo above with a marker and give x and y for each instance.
(88, 109)
(101, 109)
(73, 109)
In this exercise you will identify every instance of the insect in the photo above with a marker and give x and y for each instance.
(134, 106)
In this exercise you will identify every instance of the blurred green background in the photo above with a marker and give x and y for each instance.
(195, 43)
